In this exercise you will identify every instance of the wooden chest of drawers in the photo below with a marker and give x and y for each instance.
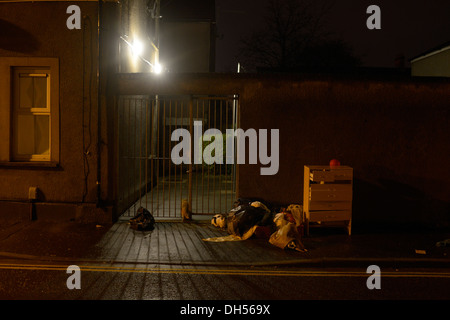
(327, 196)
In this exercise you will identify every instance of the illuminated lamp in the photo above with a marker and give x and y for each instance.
(157, 68)
(137, 47)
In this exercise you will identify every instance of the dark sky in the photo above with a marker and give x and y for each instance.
(407, 27)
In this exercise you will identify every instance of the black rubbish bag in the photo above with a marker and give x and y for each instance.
(143, 221)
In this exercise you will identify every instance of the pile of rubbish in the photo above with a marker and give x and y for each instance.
(283, 227)
(142, 221)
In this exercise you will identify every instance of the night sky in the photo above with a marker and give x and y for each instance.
(407, 27)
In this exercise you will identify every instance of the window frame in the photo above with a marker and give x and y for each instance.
(18, 110)
(8, 156)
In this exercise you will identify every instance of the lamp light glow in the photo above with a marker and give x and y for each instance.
(157, 68)
(137, 47)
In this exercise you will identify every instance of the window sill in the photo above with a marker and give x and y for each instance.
(28, 164)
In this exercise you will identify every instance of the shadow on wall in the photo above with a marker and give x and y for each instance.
(386, 204)
(17, 39)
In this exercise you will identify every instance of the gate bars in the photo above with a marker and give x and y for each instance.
(147, 176)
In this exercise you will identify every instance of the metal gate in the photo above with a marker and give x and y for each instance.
(147, 176)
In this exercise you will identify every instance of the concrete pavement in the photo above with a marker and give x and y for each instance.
(179, 243)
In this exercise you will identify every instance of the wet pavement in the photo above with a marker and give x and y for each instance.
(177, 243)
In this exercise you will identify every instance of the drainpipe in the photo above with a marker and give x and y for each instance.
(99, 94)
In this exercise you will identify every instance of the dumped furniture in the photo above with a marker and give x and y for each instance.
(327, 195)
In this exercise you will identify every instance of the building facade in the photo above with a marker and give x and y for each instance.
(52, 151)
(57, 151)
(61, 118)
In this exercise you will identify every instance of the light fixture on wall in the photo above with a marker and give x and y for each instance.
(137, 49)
(157, 68)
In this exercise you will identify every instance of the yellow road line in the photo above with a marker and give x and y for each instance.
(214, 271)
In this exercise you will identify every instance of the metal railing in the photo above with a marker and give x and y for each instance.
(148, 177)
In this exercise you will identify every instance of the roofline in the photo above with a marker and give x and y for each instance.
(431, 53)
